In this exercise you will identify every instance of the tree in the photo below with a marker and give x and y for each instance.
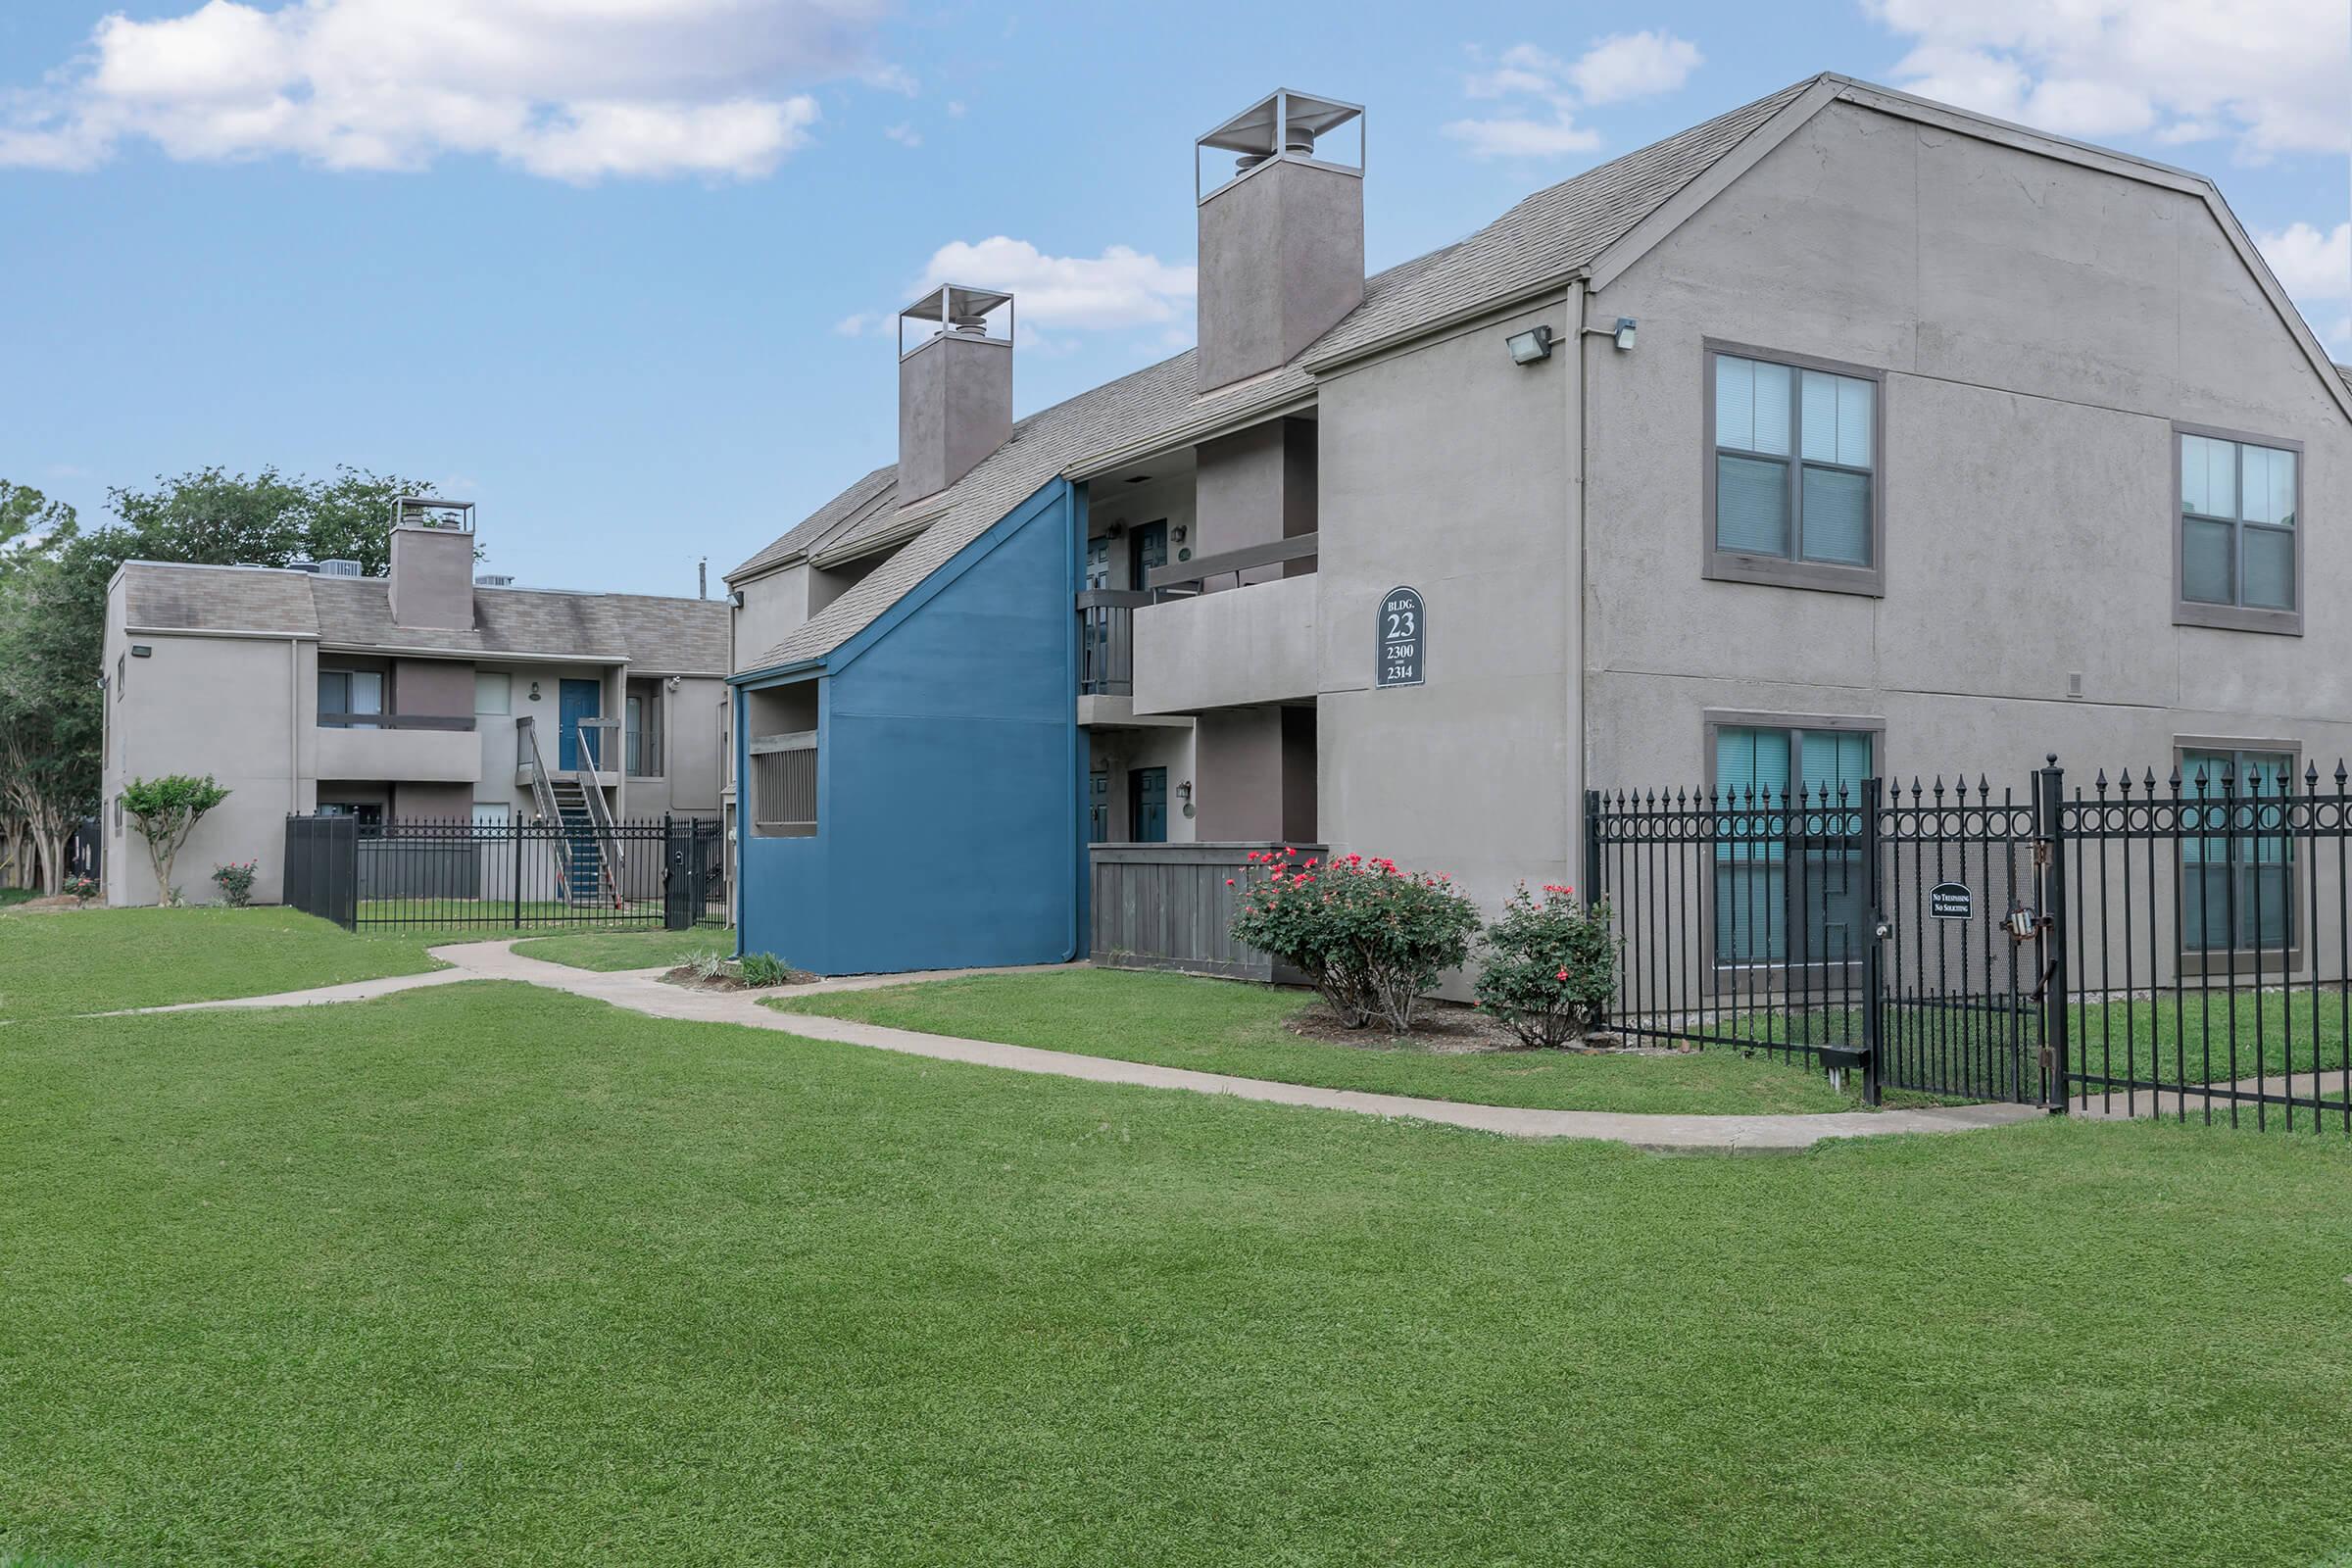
(44, 705)
(166, 810)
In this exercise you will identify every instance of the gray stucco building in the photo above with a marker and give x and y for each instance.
(1844, 434)
(416, 696)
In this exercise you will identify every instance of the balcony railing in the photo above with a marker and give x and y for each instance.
(1106, 641)
(327, 720)
(1208, 573)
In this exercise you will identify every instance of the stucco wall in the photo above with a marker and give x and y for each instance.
(238, 709)
(2042, 325)
(1445, 469)
(776, 605)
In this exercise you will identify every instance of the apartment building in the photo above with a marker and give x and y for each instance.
(426, 694)
(1846, 433)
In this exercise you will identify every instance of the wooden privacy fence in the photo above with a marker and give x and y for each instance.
(1166, 906)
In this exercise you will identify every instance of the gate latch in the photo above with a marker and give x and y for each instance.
(2024, 925)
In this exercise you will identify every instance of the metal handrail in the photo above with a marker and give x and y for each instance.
(526, 745)
(599, 816)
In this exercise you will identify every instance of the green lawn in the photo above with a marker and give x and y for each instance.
(1219, 1026)
(489, 1275)
(488, 921)
(629, 950)
(94, 960)
(9, 896)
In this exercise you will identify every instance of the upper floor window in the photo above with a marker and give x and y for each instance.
(1792, 472)
(350, 698)
(493, 691)
(2239, 553)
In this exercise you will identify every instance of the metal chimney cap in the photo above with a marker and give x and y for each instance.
(1282, 124)
(960, 309)
(431, 512)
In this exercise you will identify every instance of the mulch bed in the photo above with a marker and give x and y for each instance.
(684, 975)
(1449, 1028)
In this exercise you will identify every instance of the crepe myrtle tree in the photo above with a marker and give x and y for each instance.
(166, 810)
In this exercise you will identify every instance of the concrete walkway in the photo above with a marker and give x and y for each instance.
(642, 991)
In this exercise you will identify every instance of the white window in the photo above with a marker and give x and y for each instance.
(493, 692)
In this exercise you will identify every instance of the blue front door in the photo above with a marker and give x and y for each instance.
(578, 700)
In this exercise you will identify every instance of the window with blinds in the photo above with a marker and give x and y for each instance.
(2238, 550)
(1763, 777)
(1792, 472)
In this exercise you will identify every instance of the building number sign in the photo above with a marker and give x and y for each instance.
(1404, 638)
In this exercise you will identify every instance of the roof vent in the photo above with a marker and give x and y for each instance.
(954, 386)
(1282, 234)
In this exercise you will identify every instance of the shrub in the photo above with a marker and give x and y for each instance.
(1371, 938)
(708, 964)
(84, 888)
(1550, 966)
(237, 882)
(763, 969)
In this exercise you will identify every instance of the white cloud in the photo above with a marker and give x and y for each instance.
(857, 323)
(905, 134)
(1544, 92)
(2271, 77)
(571, 89)
(1119, 288)
(1633, 64)
(2311, 264)
(1521, 136)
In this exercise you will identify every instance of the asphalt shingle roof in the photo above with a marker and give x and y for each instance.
(668, 636)
(1543, 238)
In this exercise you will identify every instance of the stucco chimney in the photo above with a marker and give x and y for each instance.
(1282, 239)
(432, 563)
(954, 386)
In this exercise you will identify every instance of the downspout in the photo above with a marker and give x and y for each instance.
(1578, 757)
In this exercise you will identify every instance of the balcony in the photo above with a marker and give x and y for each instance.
(399, 748)
(1201, 650)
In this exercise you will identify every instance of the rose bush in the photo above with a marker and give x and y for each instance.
(236, 880)
(1550, 966)
(1371, 939)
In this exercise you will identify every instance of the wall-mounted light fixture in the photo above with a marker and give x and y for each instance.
(141, 651)
(534, 691)
(1530, 346)
(1622, 333)
(1184, 792)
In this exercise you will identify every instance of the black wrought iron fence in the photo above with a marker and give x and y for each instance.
(2135, 947)
(424, 874)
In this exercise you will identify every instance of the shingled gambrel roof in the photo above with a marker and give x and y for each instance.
(668, 636)
(1551, 237)
(1542, 238)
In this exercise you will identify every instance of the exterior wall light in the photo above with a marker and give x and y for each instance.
(1625, 334)
(1530, 346)
(534, 691)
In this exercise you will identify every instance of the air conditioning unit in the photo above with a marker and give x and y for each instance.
(338, 569)
(493, 580)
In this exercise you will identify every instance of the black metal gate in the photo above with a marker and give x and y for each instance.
(2140, 947)
(1902, 931)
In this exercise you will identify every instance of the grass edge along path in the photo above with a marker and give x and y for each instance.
(57, 964)
(1224, 1026)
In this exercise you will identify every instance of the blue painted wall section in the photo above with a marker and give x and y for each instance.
(950, 829)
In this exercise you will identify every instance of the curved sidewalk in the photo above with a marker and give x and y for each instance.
(638, 991)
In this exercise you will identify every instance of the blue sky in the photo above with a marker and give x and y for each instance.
(609, 268)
